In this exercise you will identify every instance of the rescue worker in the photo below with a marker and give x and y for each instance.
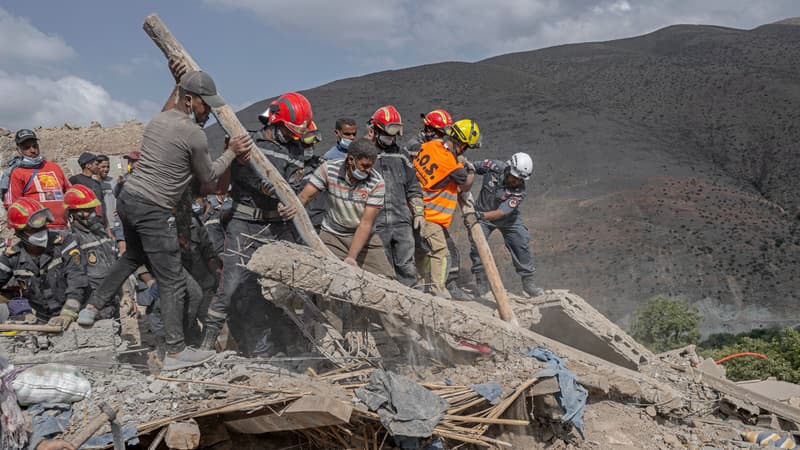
(345, 132)
(497, 208)
(88, 163)
(201, 258)
(402, 205)
(46, 264)
(257, 212)
(443, 171)
(317, 208)
(215, 219)
(355, 192)
(174, 151)
(97, 248)
(30, 175)
(435, 125)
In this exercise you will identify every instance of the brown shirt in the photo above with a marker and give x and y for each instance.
(173, 149)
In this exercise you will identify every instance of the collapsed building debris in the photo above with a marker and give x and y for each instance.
(301, 268)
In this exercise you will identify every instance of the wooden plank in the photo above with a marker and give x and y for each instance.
(311, 411)
(467, 204)
(174, 50)
(29, 327)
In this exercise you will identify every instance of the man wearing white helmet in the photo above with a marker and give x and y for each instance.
(497, 207)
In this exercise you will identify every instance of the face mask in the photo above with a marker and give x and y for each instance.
(38, 239)
(29, 163)
(359, 175)
(308, 152)
(193, 116)
(344, 143)
(385, 141)
(197, 209)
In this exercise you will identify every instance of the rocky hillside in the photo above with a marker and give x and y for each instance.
(664, 162)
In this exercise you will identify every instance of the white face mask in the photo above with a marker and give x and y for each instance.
(38, 239)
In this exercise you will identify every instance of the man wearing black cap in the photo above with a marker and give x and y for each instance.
(30, 175)
(88, 163)
(174, 150)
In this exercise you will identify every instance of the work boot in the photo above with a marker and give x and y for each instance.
(189, 357)
(481, 284)
(210, 335)
(530, 288)
(456, 292)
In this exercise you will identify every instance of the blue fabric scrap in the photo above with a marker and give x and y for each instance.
(130, 434)
(572, 396)
(491, 391)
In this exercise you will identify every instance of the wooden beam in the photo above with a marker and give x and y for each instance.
(173, 50)
(467, 204)
(29, 327)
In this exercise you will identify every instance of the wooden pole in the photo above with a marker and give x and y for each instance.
(495, 282)
(29, 327)
(173, 50)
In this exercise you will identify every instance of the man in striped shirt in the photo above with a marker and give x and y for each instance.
(355, 195)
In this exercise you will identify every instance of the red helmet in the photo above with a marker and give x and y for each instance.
(388, 120)
(27, 212)
(291, 109)
(438, 119)
(79, 196)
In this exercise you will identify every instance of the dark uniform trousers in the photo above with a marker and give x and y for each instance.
(98, 255)
(517, 240)
(239, 294)
(152, 239)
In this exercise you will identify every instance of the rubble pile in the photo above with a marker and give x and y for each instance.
(474, 381)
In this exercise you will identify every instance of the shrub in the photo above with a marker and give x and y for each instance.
(665, 323)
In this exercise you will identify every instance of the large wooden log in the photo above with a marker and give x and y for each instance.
(485, 252)
(301, 268)
(173, 50)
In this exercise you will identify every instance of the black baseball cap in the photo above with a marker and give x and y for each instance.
(24, 135)
(86, 158)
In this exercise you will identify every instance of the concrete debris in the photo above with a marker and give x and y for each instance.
(673, 400)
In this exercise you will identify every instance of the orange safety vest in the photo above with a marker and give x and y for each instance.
(433, 164)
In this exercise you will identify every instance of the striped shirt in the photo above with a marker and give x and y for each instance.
(347, 200)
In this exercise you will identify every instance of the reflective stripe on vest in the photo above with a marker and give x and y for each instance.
(54, 263)
(93, 244)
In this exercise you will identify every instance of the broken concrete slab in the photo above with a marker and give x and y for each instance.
(571, 320)
(712, 368)
(301, 268)
(781, 391)
(100, 343)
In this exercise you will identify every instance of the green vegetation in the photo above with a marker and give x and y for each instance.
(782, 347)
(666, 323)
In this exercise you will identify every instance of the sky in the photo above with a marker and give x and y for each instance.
(89, 60)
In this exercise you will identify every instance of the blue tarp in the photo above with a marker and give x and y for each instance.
(572, 396)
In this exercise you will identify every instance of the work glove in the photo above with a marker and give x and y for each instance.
(68, 314)
(419, 213)
(472, 218)
(466, 163)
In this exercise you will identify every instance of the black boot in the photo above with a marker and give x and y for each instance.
(530, 288)
(456, 292)
(481, 284)
(210, 335)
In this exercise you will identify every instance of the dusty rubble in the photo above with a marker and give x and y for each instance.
(672, 400)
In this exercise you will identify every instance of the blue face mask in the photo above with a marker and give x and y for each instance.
(344, 143)
(359, 175)
(30, 163)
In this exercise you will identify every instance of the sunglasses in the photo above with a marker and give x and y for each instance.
(29, 145)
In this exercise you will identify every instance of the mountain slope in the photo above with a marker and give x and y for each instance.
(664, 163)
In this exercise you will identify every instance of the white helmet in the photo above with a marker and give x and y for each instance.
(521, 165)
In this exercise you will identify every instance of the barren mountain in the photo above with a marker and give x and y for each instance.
(665, 163)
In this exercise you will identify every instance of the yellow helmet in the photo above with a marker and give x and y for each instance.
(467, 132)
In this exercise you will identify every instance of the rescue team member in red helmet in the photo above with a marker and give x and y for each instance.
(442, 172)
(257, 213)
(97, 248)
(355, 193)
(395, 222)
(435, 125)
(174, 150)
(45, 264)
(31, 176)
